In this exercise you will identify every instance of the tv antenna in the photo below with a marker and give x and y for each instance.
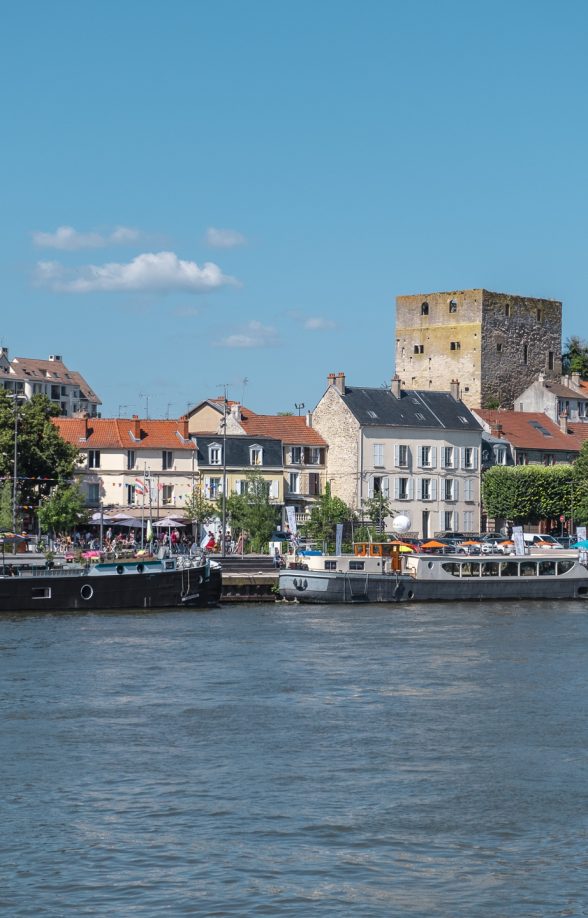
(146, 397)
(299, 406)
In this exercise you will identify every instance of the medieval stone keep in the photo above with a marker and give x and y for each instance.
(495, 344)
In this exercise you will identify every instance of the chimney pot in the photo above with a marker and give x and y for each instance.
(340, 383)
(395, 386)
(455, 389)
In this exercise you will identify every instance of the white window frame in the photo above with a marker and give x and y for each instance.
(167, 459)
(448, 457)
(431, 454)
(399, 449)
(294, 483)
(378, 455)
(469, 457)
(93, 458)
(215, 454)
(469, 489)
(256, 455)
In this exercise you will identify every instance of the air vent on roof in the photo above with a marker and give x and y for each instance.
(372, 414)
(462, 419)
(420, 416)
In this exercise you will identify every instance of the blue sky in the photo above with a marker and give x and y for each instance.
(199, 193)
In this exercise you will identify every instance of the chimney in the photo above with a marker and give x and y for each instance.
(395, 386)
(136, 427)
(309, 418)
(87, 428)
(575, 380)
(330, 379)
(4, 352)
(563, 422)
(184, 429)
(455, 389)
(236, 411)
(496, 430)
(340, 383)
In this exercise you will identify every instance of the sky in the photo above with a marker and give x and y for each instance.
(198, 195)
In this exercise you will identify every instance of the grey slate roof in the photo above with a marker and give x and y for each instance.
(238, 451)
(415, 408)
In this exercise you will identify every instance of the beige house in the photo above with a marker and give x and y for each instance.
(133, 464)
(26, 376)
(419, 449)
(302, 449)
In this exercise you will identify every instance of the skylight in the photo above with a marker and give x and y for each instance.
(540, 428)
(372, 414)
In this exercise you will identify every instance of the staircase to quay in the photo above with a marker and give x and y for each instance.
(251, 578)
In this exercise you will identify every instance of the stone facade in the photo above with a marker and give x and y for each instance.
(496, 344)
(342, 432)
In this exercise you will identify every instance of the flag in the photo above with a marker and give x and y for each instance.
(140, 486)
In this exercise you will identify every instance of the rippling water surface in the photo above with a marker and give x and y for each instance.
(291, 760)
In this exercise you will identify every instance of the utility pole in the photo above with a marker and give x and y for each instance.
(225, 387)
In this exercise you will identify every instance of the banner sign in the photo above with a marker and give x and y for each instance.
(339, 539)
(519, 542)
(291, 516)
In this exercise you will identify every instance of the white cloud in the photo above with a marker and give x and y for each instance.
(254, 334)
(158, 272)
(224, 238)
(68, 239)
(317, 323)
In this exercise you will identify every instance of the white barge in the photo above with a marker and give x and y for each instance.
(378, 572)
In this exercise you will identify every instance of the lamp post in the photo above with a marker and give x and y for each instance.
(16, 398)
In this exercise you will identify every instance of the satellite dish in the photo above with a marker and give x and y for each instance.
(401, 524)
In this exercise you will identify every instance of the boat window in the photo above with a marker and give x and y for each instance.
(356, 565)
(470, 569)
(564, 566)
(528, 569)
(169, 565)
(490, 568)
(451, 567)
(330, 565)
(41, 592)
(546, 568)
(509, 569)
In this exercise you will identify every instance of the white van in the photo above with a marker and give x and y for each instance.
(534, 540)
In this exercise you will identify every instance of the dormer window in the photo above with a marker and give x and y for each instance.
(255, 455)
(215, 454)
(424, 309)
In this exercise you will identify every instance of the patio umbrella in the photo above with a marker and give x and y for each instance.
(583, 543)
(470, 542)
(433, 544)
(168, 522)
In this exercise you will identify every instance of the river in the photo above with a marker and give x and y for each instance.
(428, 760)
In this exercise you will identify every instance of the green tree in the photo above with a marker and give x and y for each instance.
(527, 493)
(6, 505)
(324, 516)
(252, 512)
(63, 510)
(575, 356)
(43, 456)
(579, 497)
(199, 510)
(376, 509)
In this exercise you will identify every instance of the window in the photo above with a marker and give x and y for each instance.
(255, 455)
(93, 493)
(448, 519)
(525, 353)
(424, 309)
(378, 485)
(468, 521)
(130, 458)
(500, 455)
(452, 305)
(167, 494)
(419, 349)
(507, 310)
(425, 489)
(130, 494)
(215, 454)
(581, 409)
(499, 348)
(294, 483)
(470, 457)
(427, 457)
(295, 455)
(454, 346)
(313, 455)
(378, 454)
(522, 459)
(548, 459)
(447, 455)
(449, 489)
(550, 360)
(401, 456)
(330, 565)
(468, 489)
(356, 565)
(402, 489)
(539, 315)
(93, 458)
(314, 484)
(167, 459)
(212, 488)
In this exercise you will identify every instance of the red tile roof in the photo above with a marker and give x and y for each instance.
(116, 433)
(524, 429)
(287, 428)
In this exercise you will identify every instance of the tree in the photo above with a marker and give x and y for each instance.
(527, 493)
(324, 516)
(199, 510)
(43, 456)
(64, 509)
(575, 356)
(580, 486)
(376, 509)
(251, 512)
(6, 505)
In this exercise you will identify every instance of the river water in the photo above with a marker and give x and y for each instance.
(289, 760)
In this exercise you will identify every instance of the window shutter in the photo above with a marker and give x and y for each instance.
(419, 488)
(455, 521)
(455, 490)
(386, 487)
(237, 486)
(433, 489)
(411, 488)
(207, 487)
(462, 461)
(420, 454)
(396, 455)
(371, 488)
(475, 458)
(396, 488)
(273, 491)
(433, 457)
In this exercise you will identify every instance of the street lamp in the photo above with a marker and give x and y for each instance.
(16, 397)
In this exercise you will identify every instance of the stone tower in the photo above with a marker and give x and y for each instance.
(495, 344)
